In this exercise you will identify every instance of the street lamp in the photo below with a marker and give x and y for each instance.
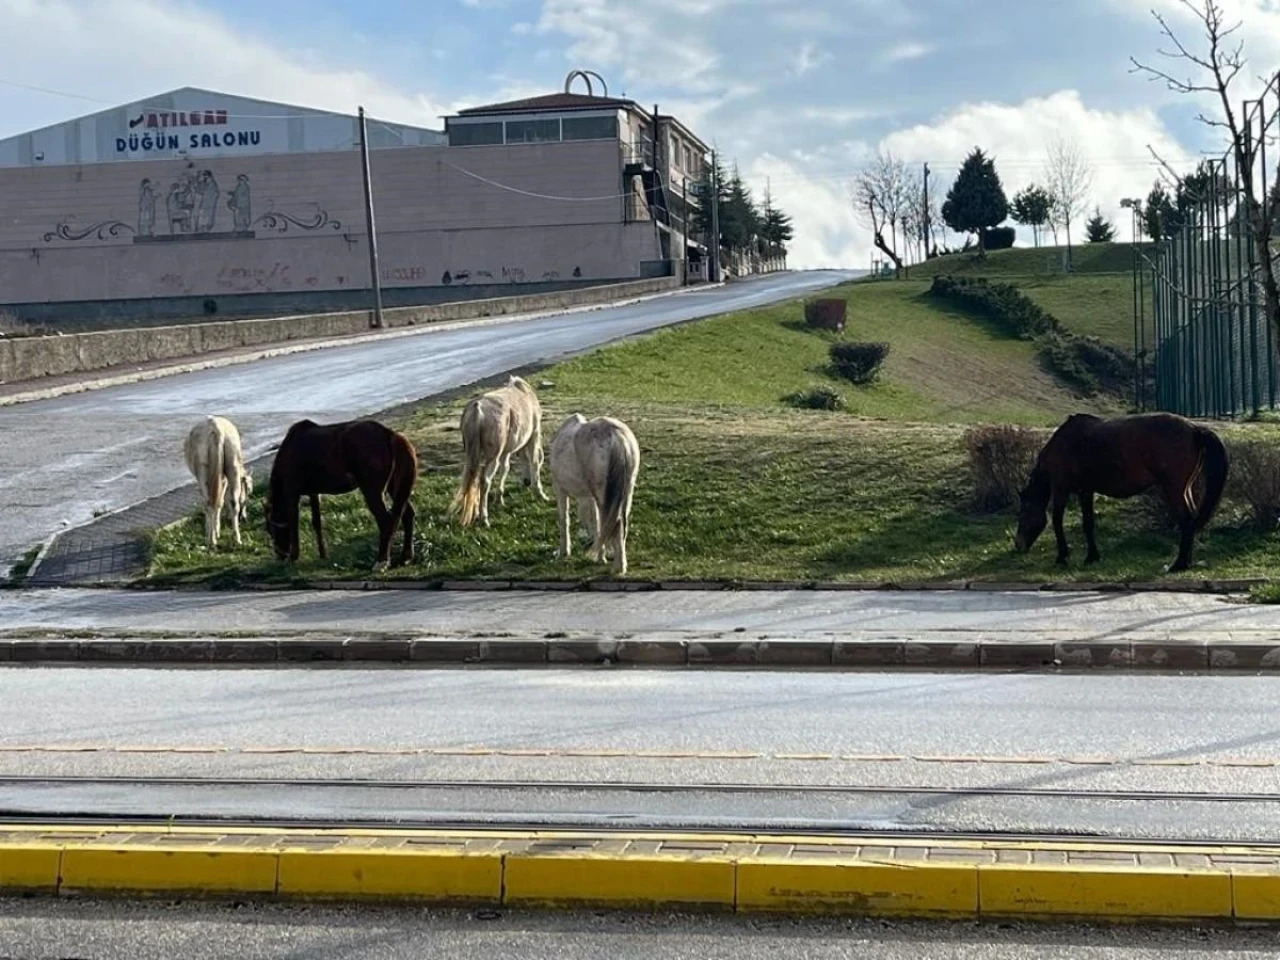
(1134, 206)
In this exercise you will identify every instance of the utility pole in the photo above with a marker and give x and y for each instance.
(715, 219)
(925, 218)
(368, 216)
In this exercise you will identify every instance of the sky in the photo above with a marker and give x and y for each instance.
(797, 93)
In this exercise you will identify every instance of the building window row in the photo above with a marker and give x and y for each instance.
(551, 130)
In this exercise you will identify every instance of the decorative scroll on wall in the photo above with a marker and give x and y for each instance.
(190, 209)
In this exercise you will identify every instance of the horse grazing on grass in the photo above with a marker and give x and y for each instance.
(1123, 457)
(497, 426)
(337, 458)
(213, 455)
(596, 463)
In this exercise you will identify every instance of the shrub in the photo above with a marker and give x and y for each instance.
(999, 238)
(1254, 480)
(1087, 363)
(1009, 308)
(1000, 458)
(826, 314)
(820, 397)
(858, 362)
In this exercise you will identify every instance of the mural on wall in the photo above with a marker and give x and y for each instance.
(188, 209)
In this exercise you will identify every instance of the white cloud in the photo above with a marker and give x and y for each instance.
(809, 59)
(812, 185)
(1115, 143)
(654, 40)
(121, 50)
(908, 50)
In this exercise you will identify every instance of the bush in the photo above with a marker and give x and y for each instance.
(1087, 363)
(1000, 459)
(1254, 480)
(999, 238)
(1009, 308)
(858, 362)
(816, 398)
(826, 314)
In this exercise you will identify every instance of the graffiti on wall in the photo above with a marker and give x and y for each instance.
(191, 208)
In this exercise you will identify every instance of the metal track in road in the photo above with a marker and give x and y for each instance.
(625, 786)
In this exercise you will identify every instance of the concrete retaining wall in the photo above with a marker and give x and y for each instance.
(30, 358)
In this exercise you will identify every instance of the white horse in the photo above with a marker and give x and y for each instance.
(596, 463)
(213, 455)
(497, 426)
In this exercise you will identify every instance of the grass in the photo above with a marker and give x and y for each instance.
(18, 573)
(735, 485)
(1086, 259)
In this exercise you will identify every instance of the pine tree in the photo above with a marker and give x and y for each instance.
(1098, 229)
(976, 201)
(1160, 217)
(702, 220)
(775, 227)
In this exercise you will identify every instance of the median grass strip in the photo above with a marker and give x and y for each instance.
(735, 485)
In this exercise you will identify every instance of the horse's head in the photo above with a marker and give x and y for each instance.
(1033, 503)
(277, 526)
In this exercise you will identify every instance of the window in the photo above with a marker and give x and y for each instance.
(675, 152)
(590, 128)
(474, 134)
(533, 131)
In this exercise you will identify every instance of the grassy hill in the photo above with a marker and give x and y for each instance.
(1095, 299)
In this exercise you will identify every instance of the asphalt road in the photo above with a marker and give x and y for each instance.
(45, 930)
(776, 613)
(64, 460)
(574, 746)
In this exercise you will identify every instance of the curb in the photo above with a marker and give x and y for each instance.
(283, 348)
(835, 652)
(1215, 587)
(655, 871)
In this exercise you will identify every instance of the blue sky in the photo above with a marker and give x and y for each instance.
(798, 92)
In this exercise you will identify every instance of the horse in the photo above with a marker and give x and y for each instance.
(316, 459)
(497, 426)
(213, 455)
(1123, 457)
(596, 463)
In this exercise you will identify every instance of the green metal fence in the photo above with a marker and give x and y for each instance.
(1200, 331)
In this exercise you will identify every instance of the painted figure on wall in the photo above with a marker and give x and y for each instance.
(207, 202)
(178, 206)
(239, 204)
(146, 209)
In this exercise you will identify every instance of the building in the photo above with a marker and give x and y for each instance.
(198, 203)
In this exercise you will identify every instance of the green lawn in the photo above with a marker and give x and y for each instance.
(735, 485)
(1086, 258)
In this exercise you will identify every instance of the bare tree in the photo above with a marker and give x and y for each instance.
(1068, 179)
(1212, 71)
(882, 198)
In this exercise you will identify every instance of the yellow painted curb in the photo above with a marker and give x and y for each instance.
(622, 882)
(815, 886)
(1092, 891)
(650, 870)
(156, 869)
(391, 874)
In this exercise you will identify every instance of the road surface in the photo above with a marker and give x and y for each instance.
(32, 929)
(62, 461)
(1161, 757)
(777, 613)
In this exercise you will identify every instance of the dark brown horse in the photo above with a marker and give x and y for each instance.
(338, 458)
(1123, 457)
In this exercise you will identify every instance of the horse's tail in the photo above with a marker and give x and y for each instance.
(215, 465)
(1213, 463)
(404, 460)
(466, 502)
(616, 483)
